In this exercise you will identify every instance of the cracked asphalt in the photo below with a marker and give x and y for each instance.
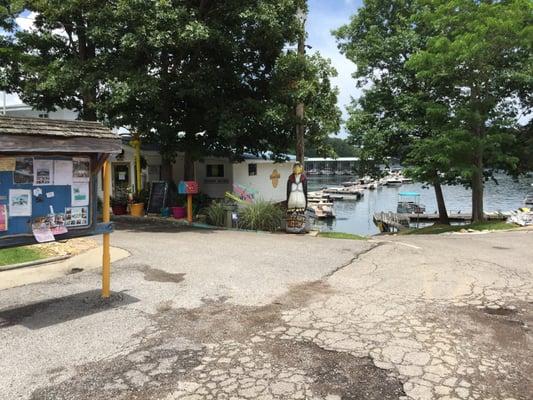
(233, 315)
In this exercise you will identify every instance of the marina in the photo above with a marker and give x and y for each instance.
(357, 215)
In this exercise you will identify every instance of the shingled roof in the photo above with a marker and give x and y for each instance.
(23, 126)
(42, 135)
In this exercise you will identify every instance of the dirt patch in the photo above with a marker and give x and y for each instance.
(335, 373)
(158, 275)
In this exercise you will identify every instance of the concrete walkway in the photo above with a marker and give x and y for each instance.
(231, 315)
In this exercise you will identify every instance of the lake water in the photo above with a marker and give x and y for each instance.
(356, 216)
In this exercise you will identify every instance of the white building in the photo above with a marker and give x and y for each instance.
(263, 178)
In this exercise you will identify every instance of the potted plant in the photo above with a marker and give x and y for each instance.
(119, 205)
(137, 201)
(179, 211)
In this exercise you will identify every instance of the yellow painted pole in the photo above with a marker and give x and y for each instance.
(137, 144)
(189, 208)
(106, 259)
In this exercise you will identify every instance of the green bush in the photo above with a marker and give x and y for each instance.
(216, 214)
(261, 216)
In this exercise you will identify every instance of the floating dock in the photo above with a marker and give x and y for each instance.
(393, 222)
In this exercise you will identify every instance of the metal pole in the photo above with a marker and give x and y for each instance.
(106, 259)
(4, 107)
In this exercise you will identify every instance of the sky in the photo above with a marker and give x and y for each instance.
(324, 16)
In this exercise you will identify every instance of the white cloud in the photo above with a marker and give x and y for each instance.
(25, 23)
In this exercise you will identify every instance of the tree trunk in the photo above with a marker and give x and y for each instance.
(443, 213)
(478, 214)
(300, 135)
(300, 128)
(188, 167)
(166, 170)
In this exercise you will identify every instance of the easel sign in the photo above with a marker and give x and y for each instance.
(158, 197)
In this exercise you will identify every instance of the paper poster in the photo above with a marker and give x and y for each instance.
(43, 172)
(55, 223)
(3, 218)
(23, 170)
(80, 194)
(50, 195)
(42, 233)
(19, 203)
(63, 171)
(76, 216)
(81, 169)
(7, 163)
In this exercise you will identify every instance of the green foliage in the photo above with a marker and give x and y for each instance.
(19, 255)
(261, 216)
(445, 84)
(341, 235)
(164, 67)
(216, 213)
(307, 80)
(339, 148)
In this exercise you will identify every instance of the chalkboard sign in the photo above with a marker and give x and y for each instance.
(158, 197)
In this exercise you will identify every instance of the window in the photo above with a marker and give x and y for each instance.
(43, 116)
(215, 170)
(252, 169)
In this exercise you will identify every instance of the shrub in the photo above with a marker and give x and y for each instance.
(261, 216)
(216, 214)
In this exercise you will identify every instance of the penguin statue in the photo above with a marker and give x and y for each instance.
(296, 200)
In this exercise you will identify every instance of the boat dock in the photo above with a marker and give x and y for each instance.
(393, 222)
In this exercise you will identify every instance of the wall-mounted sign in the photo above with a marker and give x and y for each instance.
(274, 177)
(188, 187)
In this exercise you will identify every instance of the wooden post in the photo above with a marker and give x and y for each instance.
(189, 208)
(106, 259)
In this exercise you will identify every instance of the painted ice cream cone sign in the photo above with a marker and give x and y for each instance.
(296, 200)
(274, 177)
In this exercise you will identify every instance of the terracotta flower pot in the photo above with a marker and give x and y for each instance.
(137, 209)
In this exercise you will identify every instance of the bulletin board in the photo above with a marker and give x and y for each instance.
(45, 198)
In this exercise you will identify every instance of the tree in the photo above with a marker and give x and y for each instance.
(396, 116)
(197, 77)
(477, 60)
(447, 81)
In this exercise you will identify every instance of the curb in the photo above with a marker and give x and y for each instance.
(34, 263)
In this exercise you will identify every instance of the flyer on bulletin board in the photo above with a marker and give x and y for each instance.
(3, 218)
(7, 163)
(80, 194)
(81, 169)
(44, 172)
(19, 203)
(23, 170)
(63, 172)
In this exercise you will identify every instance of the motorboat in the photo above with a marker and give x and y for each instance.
(409, 203)
(393, 181)
(322, 209)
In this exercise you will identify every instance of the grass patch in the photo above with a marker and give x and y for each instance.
(17, 255)
(476, 226)
(341, 235)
